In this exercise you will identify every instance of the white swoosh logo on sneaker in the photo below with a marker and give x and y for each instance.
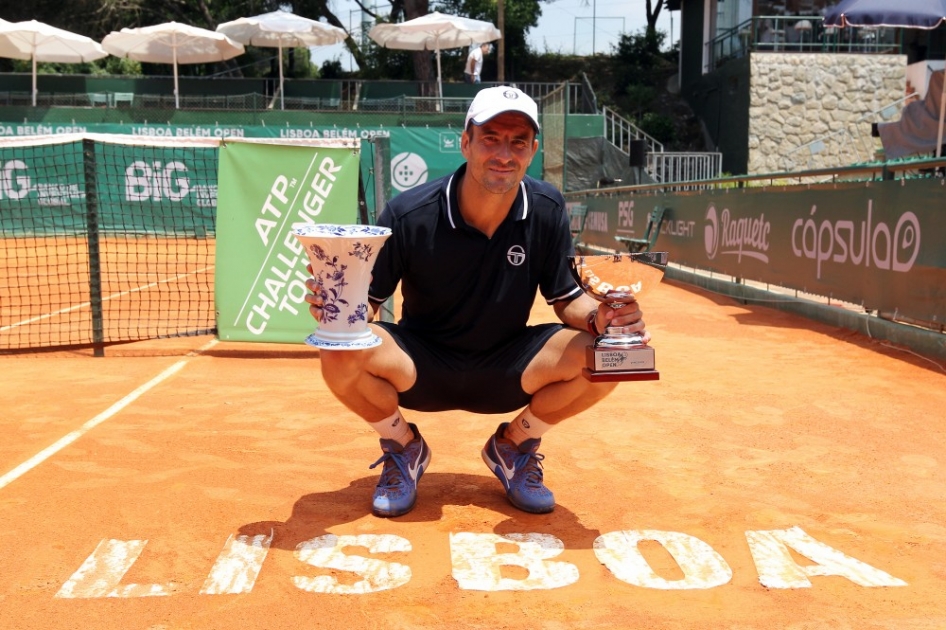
(507, 472)
(412, 469)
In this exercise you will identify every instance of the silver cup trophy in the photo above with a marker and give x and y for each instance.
(617, 280)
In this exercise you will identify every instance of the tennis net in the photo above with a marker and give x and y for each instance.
(106, 239)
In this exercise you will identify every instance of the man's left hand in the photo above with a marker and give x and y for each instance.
(629, 317)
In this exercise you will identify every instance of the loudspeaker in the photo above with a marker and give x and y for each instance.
(638, 158)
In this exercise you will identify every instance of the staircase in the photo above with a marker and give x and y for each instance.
(620, 132)
(663, 167)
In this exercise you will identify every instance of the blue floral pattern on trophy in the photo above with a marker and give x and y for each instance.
(330, 268)
(333, 282)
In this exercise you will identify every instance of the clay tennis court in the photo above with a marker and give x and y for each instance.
(781, 474)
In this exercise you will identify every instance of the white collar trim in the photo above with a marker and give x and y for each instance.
(453, 224)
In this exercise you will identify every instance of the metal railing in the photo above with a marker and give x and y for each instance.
(806, 33)
(620, 132)
(314, 95)
(662, 166)
(916, 168)
(668, 167)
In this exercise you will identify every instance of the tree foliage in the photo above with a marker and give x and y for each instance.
(630, 79)
(97, 18)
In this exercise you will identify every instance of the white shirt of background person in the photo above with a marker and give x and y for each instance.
(474, 63)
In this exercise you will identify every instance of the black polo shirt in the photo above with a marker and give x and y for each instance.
(460, 288)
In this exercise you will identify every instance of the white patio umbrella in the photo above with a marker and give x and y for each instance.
(171, 43)
(434, 31)
(41, 42)
(282, 29)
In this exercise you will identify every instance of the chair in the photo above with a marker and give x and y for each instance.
(122, 98)
(21, 98)
(645, 244)
(98, 98)
(318, 94)
(154, 101)
(803, 29)
(918, 128)
(393, 104)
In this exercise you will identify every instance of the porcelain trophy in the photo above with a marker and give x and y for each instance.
(342, 258)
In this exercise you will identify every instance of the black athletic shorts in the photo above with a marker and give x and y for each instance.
(487, 382)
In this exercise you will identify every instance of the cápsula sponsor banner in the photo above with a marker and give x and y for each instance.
(883, 245)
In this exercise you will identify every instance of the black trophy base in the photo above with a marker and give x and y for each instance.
(633, 363)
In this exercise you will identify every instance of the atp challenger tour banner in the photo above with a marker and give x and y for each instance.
(263, 190)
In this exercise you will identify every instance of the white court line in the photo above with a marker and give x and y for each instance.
(69, 438)
(104, 299)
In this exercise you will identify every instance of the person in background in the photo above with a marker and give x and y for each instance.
(474, 63)
(470, 251)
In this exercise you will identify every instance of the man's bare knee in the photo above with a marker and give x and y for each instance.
(340, 365)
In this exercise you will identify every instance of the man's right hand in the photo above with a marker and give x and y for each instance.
(318, 295)
(316, 298)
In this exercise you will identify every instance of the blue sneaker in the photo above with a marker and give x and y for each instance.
(403, 466)
(519, 468)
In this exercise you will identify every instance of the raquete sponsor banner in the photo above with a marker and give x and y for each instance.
(263, 190)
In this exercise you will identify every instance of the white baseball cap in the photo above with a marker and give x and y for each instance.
(492, 101)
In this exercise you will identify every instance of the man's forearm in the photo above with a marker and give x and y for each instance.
(576, 312)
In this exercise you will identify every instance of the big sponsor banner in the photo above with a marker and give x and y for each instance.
(883, 245)
(42, 190)
(157, 190)
(263, 190)
(163, 190)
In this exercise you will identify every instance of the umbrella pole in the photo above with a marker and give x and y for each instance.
(282, 103)
(942, 114)
(177, 98)
(34, 82)
(439, 84)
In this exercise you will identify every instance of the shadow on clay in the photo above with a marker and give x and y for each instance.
(314, 514)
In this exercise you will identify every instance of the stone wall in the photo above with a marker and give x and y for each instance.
(815, 110)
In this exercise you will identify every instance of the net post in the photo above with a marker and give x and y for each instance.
(382, 173)
(362, 201)
(95, 260)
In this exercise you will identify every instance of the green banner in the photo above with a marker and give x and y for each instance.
(421, 154)
(263, 191)
(418, 154)
(881, 244)
(154, 190)
(42, 190)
